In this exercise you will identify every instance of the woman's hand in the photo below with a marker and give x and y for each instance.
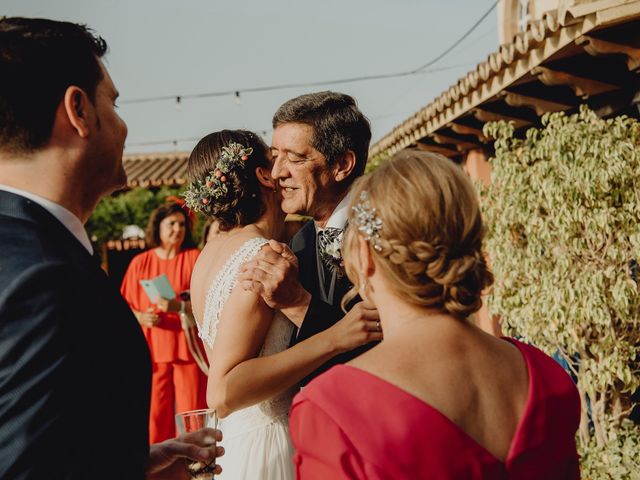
(148, 318)
(359, 326)
(165, 305)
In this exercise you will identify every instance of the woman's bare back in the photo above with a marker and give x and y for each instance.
(479, 382)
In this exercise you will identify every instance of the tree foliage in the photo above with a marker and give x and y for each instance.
(563, 219)
(133, 207)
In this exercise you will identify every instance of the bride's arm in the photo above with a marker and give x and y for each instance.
(239, 378)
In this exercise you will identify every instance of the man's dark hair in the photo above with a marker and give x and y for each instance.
(338, 125)
(39, 60)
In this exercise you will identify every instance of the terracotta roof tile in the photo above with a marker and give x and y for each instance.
(506, 66)
(156, 169)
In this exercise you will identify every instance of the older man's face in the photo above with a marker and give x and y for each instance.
(306, 181)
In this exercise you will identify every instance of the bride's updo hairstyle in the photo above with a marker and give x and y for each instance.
(424, 229)
(240, 203)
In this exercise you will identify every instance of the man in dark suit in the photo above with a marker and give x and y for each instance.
(74, 366)
(320, 146)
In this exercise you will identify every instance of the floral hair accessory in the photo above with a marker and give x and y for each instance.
(367, 221)
(200, 195)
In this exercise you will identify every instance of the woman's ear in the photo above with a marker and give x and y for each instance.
(344, 166)
(367, 265)
(265, 178)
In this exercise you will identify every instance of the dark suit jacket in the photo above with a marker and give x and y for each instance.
(74, 367)
(320, 314)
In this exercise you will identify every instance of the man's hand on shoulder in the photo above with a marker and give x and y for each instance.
(168, 460)
(273, 274)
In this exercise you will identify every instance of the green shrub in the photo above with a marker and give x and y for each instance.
(563, 219)
(132, 207)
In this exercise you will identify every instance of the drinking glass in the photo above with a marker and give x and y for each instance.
(192, 421)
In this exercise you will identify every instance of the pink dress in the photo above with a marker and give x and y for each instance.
(351, 424)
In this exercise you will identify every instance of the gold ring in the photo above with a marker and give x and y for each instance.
(378, 328)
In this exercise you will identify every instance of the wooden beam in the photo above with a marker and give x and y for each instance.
(486, 116)
(540, 105)
(614, 102)
(466, 130)
(584, 87)
(461, 145)
(595, 46)
(447, 152)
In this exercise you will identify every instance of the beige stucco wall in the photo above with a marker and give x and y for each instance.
(479, 169)
(508, 14)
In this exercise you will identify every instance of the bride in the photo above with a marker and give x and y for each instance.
(252, 375)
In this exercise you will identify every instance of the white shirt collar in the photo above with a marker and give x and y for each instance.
(340, 215)
(64, 216)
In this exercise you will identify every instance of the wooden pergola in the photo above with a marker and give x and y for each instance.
(587, 53)
(584, 54)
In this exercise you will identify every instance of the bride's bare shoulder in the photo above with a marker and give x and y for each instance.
(216, 252)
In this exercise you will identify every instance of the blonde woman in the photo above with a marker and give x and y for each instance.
(438, 398)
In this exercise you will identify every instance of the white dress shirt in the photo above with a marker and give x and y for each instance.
(64, 216)
(338, 219)
(340, 215)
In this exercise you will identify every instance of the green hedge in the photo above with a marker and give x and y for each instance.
(563, 218)
(132, 207)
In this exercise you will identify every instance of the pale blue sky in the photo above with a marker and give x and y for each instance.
(170, 47)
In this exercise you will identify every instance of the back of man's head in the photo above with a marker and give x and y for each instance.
(338, 125)
(39, 60)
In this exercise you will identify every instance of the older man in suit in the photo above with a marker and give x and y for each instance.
(74, 366)
(320, 145)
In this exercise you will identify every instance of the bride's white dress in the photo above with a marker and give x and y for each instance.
(256, 439)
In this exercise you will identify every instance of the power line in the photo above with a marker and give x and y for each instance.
(263, 132)
(162, 142)
(178, 98)
(460, 40)
(236, 93)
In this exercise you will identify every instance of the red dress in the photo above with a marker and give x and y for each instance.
(351, 424)
(177, 382)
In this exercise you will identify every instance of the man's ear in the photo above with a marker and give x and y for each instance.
(265, 178)
(77, 108)
(344, 166)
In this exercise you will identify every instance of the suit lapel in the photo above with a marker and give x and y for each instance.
(303, 246)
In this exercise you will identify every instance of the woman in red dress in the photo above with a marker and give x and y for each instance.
(177, 384)
(438, 398)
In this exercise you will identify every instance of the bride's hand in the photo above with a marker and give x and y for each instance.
(359, 326)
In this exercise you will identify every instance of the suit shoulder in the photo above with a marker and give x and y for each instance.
(24, 245)
(41, 286)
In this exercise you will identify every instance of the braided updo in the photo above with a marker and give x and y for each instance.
(242, 204)
(430, 245)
